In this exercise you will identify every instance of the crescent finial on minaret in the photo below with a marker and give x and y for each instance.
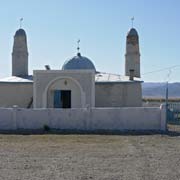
(78, 47)
(132, 21)
(20, 22)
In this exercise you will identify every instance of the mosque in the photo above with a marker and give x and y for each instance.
(77, 85)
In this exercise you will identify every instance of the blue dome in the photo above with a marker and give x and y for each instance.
(78, 62)
(20, 32)
(132, 32)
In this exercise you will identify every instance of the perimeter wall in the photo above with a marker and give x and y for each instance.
(135, 118)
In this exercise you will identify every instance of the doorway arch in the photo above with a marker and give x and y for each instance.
(64, 83)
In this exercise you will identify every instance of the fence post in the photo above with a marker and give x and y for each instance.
(15, 108)
(163, 123)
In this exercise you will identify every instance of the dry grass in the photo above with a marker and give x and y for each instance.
(84, 157)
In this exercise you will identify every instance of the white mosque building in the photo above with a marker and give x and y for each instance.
(77, 85)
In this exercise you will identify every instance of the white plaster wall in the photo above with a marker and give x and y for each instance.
(31, 119)
(126, 119)
(133, 95)
(118, 94)
(69, 119)
(7, 119)
(19, 94)
(138, 118)
(43, 79)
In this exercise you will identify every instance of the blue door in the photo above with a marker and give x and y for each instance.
(57, 99)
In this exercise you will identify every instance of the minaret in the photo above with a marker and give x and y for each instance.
(20, 54)
(132, 56)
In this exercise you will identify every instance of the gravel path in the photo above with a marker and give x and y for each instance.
(74, 157)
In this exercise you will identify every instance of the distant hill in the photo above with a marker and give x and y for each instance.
(159, 90)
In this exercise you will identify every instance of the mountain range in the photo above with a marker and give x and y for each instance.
(158, 90)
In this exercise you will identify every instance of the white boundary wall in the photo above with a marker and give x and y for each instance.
(135, 118)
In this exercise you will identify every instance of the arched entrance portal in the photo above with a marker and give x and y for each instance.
(64, 92)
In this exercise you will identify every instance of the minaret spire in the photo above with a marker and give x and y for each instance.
(20, 53)
(132, 56)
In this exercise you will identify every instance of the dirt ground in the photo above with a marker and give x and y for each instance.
(100, 157)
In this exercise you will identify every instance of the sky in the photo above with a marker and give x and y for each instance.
(54, 26)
